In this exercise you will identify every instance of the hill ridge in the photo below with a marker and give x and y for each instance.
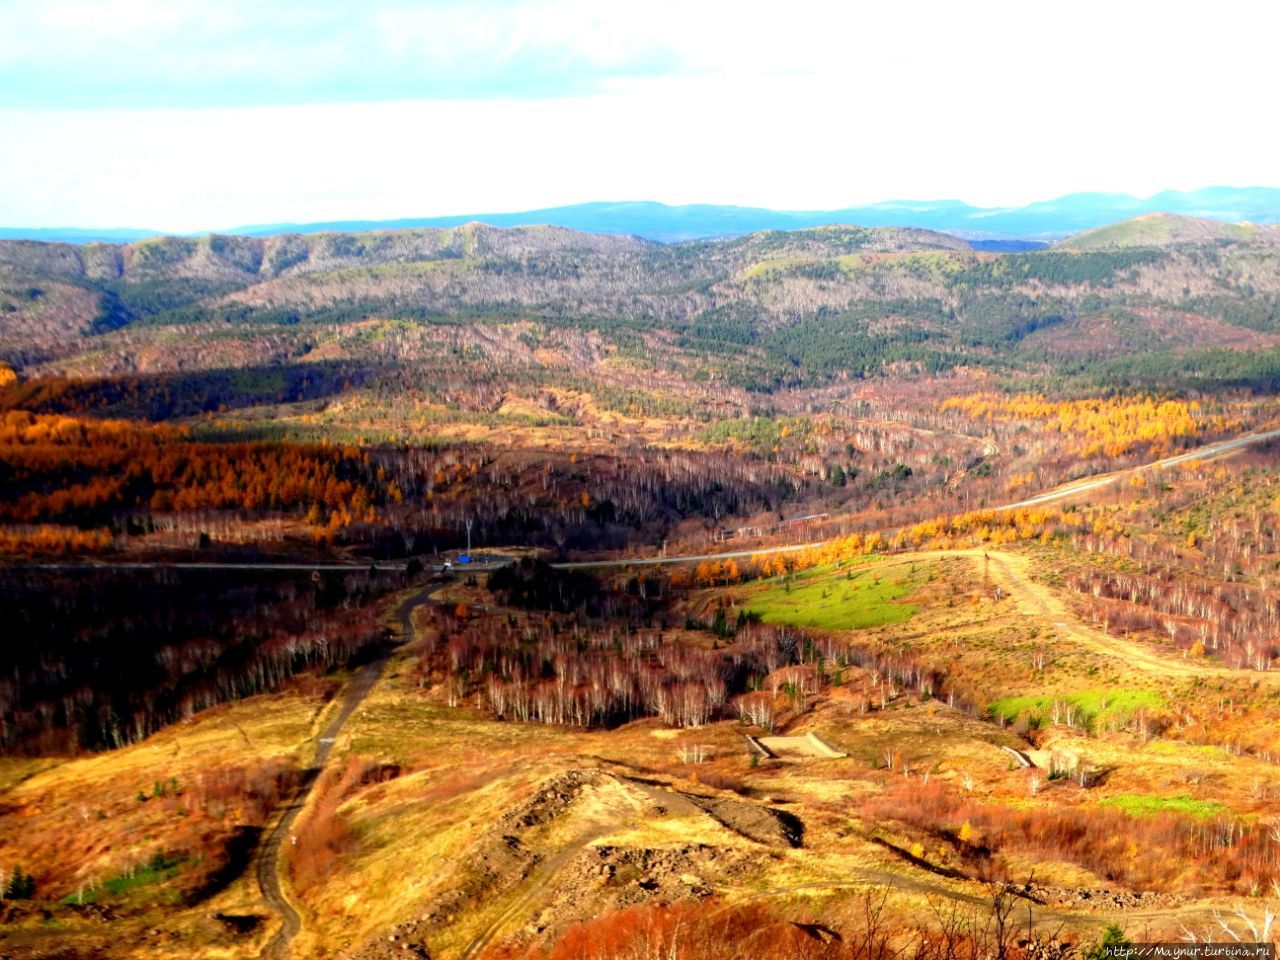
(1161, 228)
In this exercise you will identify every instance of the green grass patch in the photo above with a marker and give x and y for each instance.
(1088, 707)
(764, 268)
(156, 871)
(1140, 805)
(846, 598)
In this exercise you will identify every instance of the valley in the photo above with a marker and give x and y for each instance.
(521, 593)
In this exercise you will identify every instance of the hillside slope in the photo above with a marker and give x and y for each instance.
(1166, 229)
(765, 312)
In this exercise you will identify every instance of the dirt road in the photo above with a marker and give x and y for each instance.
(538, 884)
(268, 864)
(1010, 571)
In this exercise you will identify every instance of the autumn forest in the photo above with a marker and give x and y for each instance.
(523, 593)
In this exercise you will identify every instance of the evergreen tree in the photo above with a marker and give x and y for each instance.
(1113, 940)
(20, 886)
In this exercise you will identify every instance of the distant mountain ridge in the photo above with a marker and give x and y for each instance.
(992, 227)
(764, 312)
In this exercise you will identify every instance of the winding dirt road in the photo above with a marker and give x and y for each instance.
(1008, 569)
(1064, 492)
(267, 868)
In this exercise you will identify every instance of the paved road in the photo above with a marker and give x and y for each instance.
(1064, 492)
(282, 567)
(1200, 453)
(268, 863)
(682, 558)
(1060, 493)
(213, 565)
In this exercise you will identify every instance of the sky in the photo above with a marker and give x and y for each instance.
(185, 115)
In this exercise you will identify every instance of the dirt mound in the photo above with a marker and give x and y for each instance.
(551, 800)
(500, 860)
(605, 878)
(773, 828)
(578, 880)
(404, 942)
(1110, 901)
(643, 873)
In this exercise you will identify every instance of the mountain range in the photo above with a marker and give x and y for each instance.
(766, 312)
(1000, 228)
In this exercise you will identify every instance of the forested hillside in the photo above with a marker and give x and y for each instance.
(767, 311)
(796, 558)
(602, 391)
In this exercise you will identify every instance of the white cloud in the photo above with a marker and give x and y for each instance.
(775, 143)
(815, 105)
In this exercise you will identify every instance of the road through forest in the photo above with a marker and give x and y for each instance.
(1064, 492)
(1007, 569)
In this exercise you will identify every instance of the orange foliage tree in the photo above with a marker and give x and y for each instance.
(1111, 426)
(58, 468)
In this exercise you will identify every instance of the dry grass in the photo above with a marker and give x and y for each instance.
(87, 827)
(417, 785)
(466, 769)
